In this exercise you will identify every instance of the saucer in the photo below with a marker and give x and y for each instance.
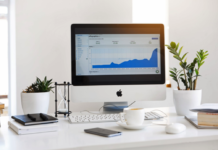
(132, 127)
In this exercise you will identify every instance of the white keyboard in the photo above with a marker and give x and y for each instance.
(94, 118)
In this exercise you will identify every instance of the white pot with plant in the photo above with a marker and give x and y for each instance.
(190, 97)
(35, 99)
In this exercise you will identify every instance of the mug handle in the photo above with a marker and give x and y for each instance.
(122, 113)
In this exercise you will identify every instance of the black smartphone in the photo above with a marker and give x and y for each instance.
(103, 132)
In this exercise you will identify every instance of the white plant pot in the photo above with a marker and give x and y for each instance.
(184, 100)
(35, 102)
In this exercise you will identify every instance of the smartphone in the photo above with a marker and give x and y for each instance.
(103, 132)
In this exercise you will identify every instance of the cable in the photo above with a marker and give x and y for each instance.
(89, 112)
(131, 103)
(100, 108)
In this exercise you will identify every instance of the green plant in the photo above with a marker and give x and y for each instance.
(190, 73)
(40, 86)
(176, 75)
(201, 56)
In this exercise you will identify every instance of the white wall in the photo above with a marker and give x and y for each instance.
(4, 57)
(43, 37)
(194, 24)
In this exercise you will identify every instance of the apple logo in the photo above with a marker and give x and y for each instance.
(119, 93)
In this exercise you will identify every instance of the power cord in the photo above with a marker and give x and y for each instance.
(131, 103)
(89, 112)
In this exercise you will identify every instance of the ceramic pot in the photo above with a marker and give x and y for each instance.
(184, 100)
(35, 102)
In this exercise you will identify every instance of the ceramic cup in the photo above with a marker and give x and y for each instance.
(133, 116)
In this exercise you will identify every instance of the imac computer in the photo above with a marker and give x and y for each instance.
(117, 63)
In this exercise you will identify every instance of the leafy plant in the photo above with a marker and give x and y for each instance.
(40, 86)
(176, 75)
(190, 73)
(201, 56)
(173, 47)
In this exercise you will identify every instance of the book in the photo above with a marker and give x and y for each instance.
(194, 121)
(208, 119)
(21, 129)
(2, 106)
(25, 120)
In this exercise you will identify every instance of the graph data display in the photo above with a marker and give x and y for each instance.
(131, 63)
(117, 54)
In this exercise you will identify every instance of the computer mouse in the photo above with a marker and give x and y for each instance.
(175, 128)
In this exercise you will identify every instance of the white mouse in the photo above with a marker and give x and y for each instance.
(175, 128)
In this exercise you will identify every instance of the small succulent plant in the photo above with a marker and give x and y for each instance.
(190, 73)
(40, 86)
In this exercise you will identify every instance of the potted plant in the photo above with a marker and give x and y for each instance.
(190, 96)
(35, 99)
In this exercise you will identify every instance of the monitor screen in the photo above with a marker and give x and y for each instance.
(117, 54)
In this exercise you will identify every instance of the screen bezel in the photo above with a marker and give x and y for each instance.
(117, 79)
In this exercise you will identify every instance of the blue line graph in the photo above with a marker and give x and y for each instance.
(135, 63)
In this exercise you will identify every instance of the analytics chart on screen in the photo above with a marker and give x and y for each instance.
(117, 54)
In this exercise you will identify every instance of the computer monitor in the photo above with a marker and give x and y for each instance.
(117, 62)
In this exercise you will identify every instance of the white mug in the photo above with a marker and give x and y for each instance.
(133, 116)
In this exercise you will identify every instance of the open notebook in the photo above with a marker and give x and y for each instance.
(207, 107)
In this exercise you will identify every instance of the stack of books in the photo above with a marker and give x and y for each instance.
(207, 116)
(33, 123)
(208, 119)
(2, 106)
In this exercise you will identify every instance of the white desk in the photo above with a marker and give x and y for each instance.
(72, 137)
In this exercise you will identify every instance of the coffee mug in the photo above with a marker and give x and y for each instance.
(133, 116)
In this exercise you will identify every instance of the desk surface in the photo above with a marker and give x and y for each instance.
(72, 136)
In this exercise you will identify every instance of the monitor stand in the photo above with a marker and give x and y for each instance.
(114, 107)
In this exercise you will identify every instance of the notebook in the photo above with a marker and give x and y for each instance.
(194, 121)
(25, 120)
(21, 129)
(206, 107)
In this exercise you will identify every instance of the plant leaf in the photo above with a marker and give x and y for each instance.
(184, 55)
(177, 57)
(196, 71)
(180, 50)
(177, 46)
(173, 44)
